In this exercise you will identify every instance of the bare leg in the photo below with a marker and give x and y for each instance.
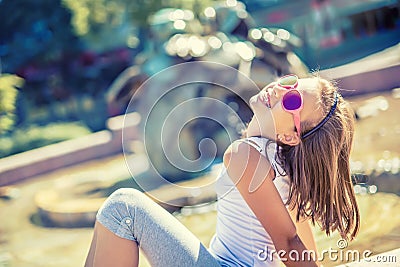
(90, 256)
(107, 249)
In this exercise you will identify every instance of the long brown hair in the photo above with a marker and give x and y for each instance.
(319, 169)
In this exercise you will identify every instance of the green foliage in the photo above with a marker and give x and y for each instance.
(8, 96)
(97, 20)
(24, 139)
(101, 24)
(90, 15)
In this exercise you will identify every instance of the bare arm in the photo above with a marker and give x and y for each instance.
(245, 165)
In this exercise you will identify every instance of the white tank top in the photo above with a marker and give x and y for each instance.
(240, 239)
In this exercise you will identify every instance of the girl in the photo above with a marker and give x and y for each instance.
(274, 182)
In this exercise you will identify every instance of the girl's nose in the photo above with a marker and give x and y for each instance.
(278, 90)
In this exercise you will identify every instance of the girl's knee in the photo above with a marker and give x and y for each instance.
(124, 200)
(118, 211)
(121, 204)
(123, 194)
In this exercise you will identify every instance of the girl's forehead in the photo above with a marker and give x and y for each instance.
(309, 86)
(311, 94)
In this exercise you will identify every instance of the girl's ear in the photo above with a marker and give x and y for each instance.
(291, 139)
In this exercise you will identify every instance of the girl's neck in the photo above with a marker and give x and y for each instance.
(254, 130)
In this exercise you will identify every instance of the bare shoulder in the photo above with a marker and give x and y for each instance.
(243, 161)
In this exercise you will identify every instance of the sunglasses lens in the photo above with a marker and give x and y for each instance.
(288, 80)
(292, 100)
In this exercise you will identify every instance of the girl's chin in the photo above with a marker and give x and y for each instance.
(252, 101)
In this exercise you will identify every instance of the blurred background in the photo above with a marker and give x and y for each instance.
(71, 70)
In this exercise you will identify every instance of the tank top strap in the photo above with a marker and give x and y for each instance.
(267, 148)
